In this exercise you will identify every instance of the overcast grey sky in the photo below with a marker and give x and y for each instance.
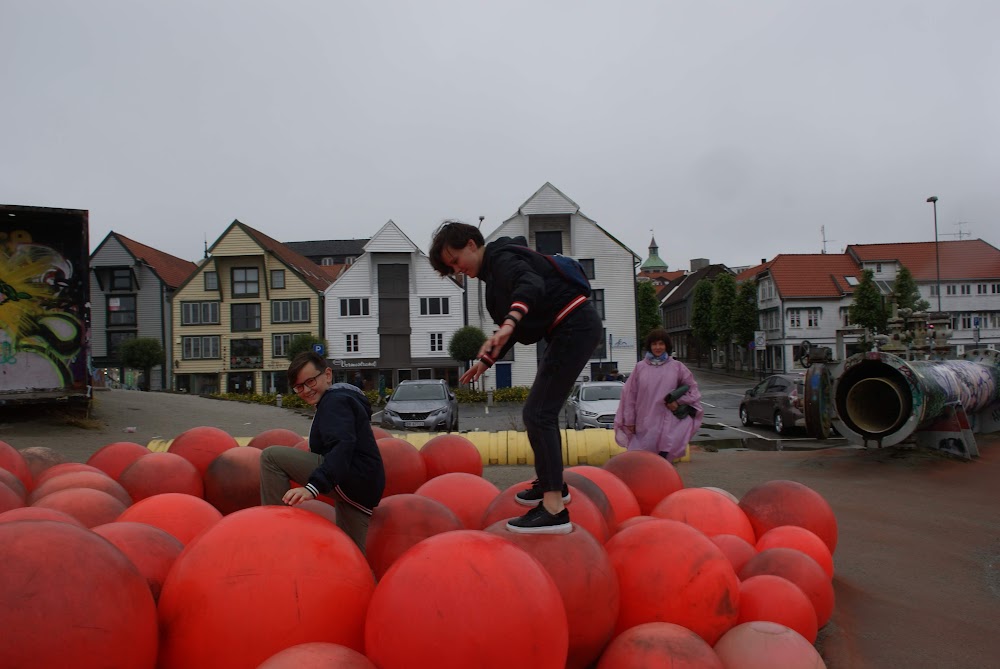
(732, 130)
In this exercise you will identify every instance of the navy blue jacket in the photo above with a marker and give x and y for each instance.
(342, 433)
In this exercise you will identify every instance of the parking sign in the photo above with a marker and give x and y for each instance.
(318, 349)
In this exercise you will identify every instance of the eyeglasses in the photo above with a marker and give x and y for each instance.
(308, 383)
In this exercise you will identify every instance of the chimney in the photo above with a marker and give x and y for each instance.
(763, 261)
(699, 263)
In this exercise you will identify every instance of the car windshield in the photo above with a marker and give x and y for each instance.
(597, 393)
(419, 391)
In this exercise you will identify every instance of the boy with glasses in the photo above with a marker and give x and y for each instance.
(343, 460)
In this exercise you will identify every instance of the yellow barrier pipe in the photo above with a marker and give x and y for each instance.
(508, 447)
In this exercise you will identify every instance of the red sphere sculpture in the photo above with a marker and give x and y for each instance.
(402, 521)
(777, 600)
(159, 473)
(801, 539)
(182, 516)
(736, 549)
(596, 495)
(150, 549)
(380, 433)
(778, 503)
(582, 511)
(201, 445)
(707, 511)
(766, 645)
(232, 481)
(91, 507)
(12, 460)
(275, 437)
(11, 481)
(37, 513)
(114, 458)
(801, 570)
(405, 470)
(671, 572)
(9, 499)
(81, 479)
(259, 581)
(468, 496)
(648, 476)
(622, 500)
(472, 581)
(318, 655)
(65, 468)
(659, 645)
(590, 595)
(448, 453)
(79, 601)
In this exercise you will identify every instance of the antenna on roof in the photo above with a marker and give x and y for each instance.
(822, 232)
(481, 219)
(960, 234)
(206, 245)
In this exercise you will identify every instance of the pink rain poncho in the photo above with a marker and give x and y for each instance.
(643, 422)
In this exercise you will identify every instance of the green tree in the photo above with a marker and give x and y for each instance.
(702, 328)
(142, 353)
(465, 344)
(868, 307)
(304, 342)
(648, 308)
(906, 292)
(745, 318)
(723, 303)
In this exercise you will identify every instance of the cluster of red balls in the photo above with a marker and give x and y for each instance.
(139, 559)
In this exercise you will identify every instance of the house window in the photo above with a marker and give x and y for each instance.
(996, 288)
(121, 279)
(602, 349)
(966, 289)
(934, 291)
(279, 345)
(290, 311)
(277, 278)
(994, 320)
(121, 310)
(588, 267)
(950, 290)
(245, 317)
(211, 280)
(246, 282)
(597, 298)
(878, 268)
(437, 342)
(198, 348)
(246, 353)
(433, 306)
(354, 306)
(767, 289)
(794, 318)
(845, 318)
(199, 313)
(351, 342)
(812, 318)
(966, 321)
(549, 242)
(982, 289)
(115, 340)
(327, 261)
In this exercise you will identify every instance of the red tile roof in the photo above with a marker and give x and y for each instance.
(172, 270)
(314, 274)
(751, 272)
(960, 259)
(663, 275)
(813, 275)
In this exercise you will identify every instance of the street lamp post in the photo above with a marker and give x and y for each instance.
(937, 253)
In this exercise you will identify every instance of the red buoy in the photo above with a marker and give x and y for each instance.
(648, 476)
(777, 600)
(405, 470)
(114, 458)
(659, 645)
(468, 496)
(182, 516)
(402, 521)
(801, 570)
(232, 481)
(707, 511)
(150, 549)
(276, 437)
(318, 655)
(448, 453)
(159, 473)
(778, 503)
(201, 445)
(766, 645)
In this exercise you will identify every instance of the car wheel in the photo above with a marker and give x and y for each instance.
(779, 423)
(745, 417)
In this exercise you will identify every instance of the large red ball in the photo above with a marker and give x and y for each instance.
(182, 516)
(37, 513)
(466, 599)
(80, 479)
(405, 470)
(275, 437)
(622, 500)
(801, 539)
(778, 503)
(380, 433)
(707, 511)
(114, 458)
(9, 499)
(468, 496)
(257, 582)
(11, 481)
(71, 599)
(737, 550)
(671, 572)
(659, 645)
(590, 595)
(447, 453)
(648, 476)
(65, 468)
(402, 521)
(201, 445)
(159, 473)
(232, 481)
(318, 655)
(801, 570)
(150, 549)
(12, 460)
(91, 507)
(777, 600)
(582, 511)
(596, 495)
(766, 645)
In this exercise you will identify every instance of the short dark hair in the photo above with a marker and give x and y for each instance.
(455, 235)
(659, 334)
(303, 359)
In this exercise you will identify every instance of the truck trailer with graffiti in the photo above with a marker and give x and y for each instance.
(44, 305)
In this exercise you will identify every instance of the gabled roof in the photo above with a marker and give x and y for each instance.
(679, 290)
(333, 272)
(329, 247)
(819, 275)
(751, 272)
(662, 274)
(968, 259)
(309, 270)
(173, 271)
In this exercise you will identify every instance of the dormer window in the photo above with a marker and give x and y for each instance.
(121, 279)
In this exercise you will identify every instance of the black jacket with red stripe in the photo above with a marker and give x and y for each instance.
(519, 279)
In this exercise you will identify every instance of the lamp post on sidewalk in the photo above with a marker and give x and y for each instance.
(937, 252)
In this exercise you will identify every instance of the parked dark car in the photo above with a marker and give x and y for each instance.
(425, 404)
(776, 401)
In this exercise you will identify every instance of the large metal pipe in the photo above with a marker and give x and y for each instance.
(881, 397)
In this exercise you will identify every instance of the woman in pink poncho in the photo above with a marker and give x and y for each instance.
(645, 422)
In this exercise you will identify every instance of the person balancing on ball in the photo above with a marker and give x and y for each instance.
(530, 299)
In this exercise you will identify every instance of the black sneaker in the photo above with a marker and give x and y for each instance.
(533, 495)
(540, 521)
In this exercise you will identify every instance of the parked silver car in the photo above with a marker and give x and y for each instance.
(427, 404)
(593, 404)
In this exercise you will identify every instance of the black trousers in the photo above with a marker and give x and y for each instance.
(570, 347)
